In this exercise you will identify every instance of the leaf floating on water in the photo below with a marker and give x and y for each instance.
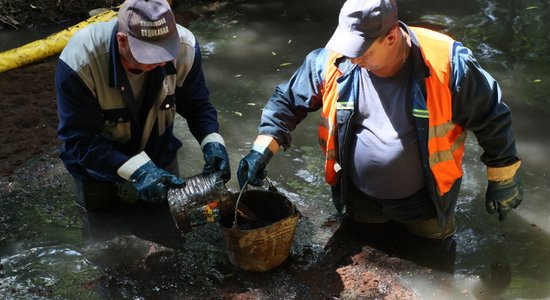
(238, 75)
(238, 113)
(273, 53)
(285, 64)
(537, 80)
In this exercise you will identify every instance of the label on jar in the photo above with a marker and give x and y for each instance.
(208, 213)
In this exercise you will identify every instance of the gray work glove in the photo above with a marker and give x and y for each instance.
(503, 196)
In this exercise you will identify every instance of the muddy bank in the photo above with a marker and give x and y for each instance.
(29, 114)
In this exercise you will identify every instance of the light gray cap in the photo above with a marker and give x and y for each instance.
(151, 29)
(360, 23)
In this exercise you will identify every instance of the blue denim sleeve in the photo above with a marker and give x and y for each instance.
(479, 108)
(293, 100)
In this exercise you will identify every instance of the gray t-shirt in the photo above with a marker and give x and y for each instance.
(137, 82)
(386, 161)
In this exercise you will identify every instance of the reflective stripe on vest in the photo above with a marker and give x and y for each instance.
(327, 124)
(446, 139)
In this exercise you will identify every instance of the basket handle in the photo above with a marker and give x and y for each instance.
(271, 187)
(238, 199)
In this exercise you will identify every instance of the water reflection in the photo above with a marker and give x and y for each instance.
(37, 271)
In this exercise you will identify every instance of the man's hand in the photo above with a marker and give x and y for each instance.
(252, 168)
(152, 182)
(216, 158)
(502, 196)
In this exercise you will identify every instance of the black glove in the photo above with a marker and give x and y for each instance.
(502, 196)
(216, 159)
(152, 183)
(252, 168)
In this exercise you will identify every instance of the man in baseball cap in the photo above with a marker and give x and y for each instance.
(119, 87)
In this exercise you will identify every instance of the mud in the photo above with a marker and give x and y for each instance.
(29, 114)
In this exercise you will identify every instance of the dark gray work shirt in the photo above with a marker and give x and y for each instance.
(386, 161)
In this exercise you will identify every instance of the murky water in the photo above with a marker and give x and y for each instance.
(250, 48)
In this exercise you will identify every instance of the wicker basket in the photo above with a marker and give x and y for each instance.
(260, 239)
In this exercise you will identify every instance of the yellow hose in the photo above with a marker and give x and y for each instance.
(49, 46)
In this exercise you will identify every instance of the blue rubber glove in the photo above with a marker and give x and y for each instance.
(216, 158)
(502, 196)
(152, 182)
(252, 168)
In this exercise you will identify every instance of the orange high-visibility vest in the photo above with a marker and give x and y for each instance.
(327, 125)
(446, 140)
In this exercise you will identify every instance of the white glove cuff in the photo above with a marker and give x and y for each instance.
(263, 142)
(213, 137)
(130, 166)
